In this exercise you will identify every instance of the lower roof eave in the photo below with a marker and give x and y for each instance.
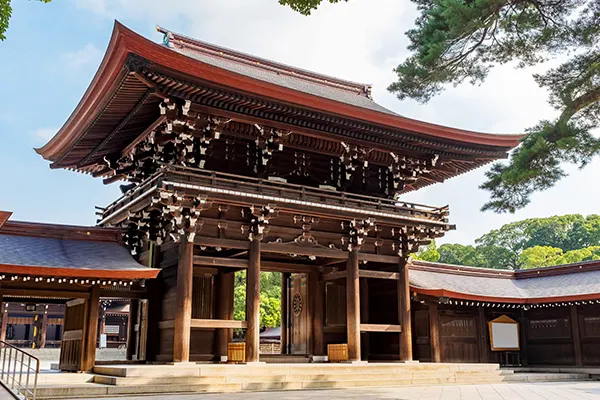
(46, 271)
(511, 300)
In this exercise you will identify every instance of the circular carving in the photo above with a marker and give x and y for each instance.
(297, 304)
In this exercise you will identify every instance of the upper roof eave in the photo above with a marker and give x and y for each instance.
(124, 41)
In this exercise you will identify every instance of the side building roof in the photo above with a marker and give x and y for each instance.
(47, 250)
(571, 282)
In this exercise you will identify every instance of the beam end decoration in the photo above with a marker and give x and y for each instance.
(269, 141)
(406, 170)
(353, 158)
(170, 214)
(183, 139)
(259, 221)
(410, 238)
(358, 230)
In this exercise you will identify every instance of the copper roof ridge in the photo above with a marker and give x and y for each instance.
(259, 62)
(58, 231)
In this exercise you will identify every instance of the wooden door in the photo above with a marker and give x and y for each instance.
(72, 346)
(298, 309)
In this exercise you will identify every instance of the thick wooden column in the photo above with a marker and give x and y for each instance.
(285, 278)
(91, 330)
(484, 341)
(576, 336)
(434, 333)
(404, 312)
(253, 303)
(353, 307)
(183, 301)
(44, 329)
(131, 342)
(364, 317)
(225, 283)
(523, 338)
(318, 315)
(4, 312)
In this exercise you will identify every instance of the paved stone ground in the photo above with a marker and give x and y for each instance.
(510, 391)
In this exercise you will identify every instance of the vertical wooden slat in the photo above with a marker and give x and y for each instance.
(404, 311)
(523, 338)
(434, 332)
(253, 303)
(183, 301)
(353, 307)
(224, 282)
(576, 336)
(484, 341)
(44, 330)
(285, 277)
(318, 315)
(133, 311)
(90, 337)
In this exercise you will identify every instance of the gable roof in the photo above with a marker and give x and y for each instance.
(551, 284)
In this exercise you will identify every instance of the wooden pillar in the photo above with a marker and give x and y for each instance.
(183, 301)
(225, 282)
(484, 341)
(576, 336)
(404, 312)
(319, 317)
(523, 339)
(353, 307)
(101, 321)
(91, 330)
(44, 329)
(253, 303)
(364, 318)
(131, 342)
(4, 312)
(434, 333)
(285, 278)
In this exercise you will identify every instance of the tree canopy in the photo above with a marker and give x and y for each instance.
(6, 13)
(454, 41)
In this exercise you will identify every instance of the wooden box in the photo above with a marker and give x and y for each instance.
(236, 352)
(337, 352)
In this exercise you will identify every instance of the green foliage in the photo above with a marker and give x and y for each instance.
(458, 40)
(304, 7)
(429, 253)
(531, 243)
(6, 13)
(270, 298)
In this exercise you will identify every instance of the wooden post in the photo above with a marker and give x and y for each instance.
(318, 315)
(364, 317)
(253, 303)
(285, 277)
(434, 332)
(183, 301)
(353, 307)
(576, 336)
(4, 312)
(523, 338)
(404, 312)
(44, 329)
(484, 341)
(91, 331)
(101, 321)
(133, 311)
(225, 283)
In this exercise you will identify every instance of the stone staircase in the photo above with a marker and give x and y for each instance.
(127, 380)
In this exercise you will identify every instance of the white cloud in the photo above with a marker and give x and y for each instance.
(363, 40)
(86, 56)
(45, 133)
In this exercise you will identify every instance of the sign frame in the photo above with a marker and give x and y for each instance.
(504, 319)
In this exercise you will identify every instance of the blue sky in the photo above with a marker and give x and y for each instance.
(53, 50)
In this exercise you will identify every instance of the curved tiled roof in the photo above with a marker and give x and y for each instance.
(569, 282)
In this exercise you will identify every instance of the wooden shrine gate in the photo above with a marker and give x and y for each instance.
(298, 311)
(78, 347)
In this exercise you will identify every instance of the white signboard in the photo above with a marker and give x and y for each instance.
(504, 334)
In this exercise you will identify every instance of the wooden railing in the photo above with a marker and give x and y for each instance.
(276, 190)
(19, 372)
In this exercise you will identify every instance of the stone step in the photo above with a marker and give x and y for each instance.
(268, 383)
(447, 377)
